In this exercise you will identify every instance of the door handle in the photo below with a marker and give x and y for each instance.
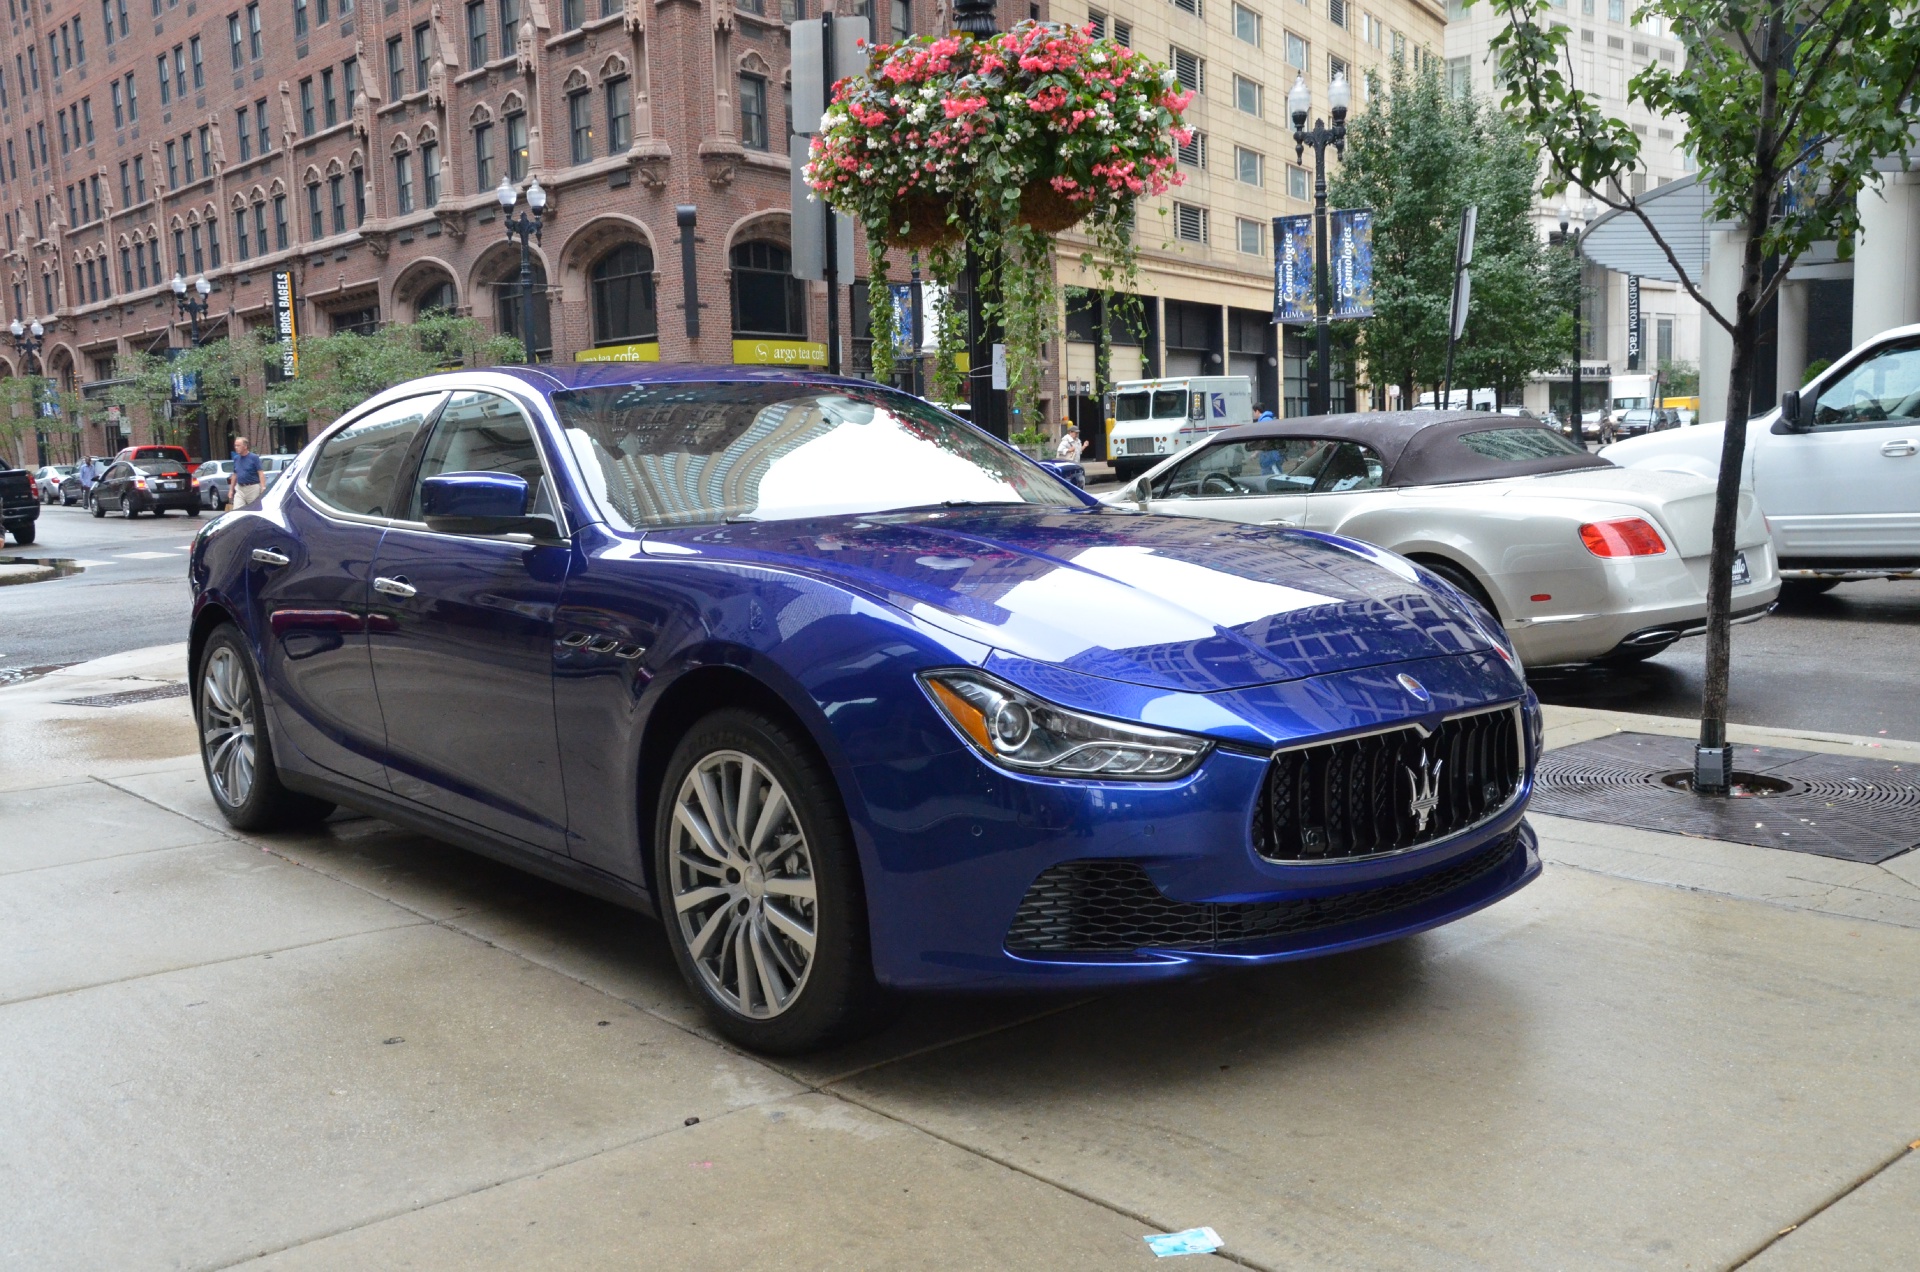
(395, 587)
(267, 556)
(1899, 449)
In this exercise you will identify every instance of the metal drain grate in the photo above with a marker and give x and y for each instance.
(1835, 805)
(126, 697)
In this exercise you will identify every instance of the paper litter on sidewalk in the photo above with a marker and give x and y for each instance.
(1192, 1241)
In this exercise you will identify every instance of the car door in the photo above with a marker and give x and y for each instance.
(116, 482)
(1249, 481)
(1849, 488)
(1346, 480)
(308, 582)
(462, 640)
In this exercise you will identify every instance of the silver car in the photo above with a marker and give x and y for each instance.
(216, 478)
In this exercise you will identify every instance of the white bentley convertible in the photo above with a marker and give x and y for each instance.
(1582, 561)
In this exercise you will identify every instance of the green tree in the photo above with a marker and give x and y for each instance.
(1680, 378)
(339, 372)
(1418, 156)
(1788, 106)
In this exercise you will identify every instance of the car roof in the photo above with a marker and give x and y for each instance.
(592, 375)
(1418, 448)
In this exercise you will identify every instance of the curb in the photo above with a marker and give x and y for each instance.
(10, 574)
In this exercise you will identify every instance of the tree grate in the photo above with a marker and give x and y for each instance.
(1833, 805)
(126, 697)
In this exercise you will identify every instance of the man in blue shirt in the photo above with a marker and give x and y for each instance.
(245, 485)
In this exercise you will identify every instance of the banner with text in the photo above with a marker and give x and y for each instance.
(1352, 234)
(285, 326)
(1293, 269)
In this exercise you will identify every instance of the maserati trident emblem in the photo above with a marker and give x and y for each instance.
(1425, 782)
(1414, 687)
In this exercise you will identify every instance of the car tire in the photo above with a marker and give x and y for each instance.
(1463, 579)
(22, 532)
(93, 506)
(127, 507)
(236, 752)
(1792, 590)
(755, 907)
(193, 512)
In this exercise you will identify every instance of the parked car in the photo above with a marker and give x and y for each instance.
(1836, 466)
(175, 453)
(1581, 561)
(1071, 471)
(852, 694)
(1638, 420)
(131, 487)
(216, 478)
(19, 505)
(47, 481)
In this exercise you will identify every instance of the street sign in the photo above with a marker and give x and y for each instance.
(809, 84)
(1633, 322)
(1469, 225)
(1000, 367)
(285, 326)
(1462, 295)
(1293, 269)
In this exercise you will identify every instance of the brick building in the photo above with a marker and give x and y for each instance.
(358, 143)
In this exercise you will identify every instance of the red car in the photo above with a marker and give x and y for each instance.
(176, 453)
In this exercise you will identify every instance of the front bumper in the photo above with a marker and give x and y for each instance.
(957, 850)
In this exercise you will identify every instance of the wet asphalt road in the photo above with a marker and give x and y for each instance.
(1846, 662)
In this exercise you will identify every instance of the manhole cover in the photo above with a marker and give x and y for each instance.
(126, 697)
(1831, 805)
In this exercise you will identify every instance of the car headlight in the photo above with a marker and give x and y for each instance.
(1016, 729)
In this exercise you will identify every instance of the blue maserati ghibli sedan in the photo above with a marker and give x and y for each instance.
(850, 695)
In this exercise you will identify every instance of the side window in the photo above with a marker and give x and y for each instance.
(1349, 466)
(483, 433)
(1881, 389)
(358, 467)
(1262, 466)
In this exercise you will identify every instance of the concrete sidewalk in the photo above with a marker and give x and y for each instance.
(360, 1048)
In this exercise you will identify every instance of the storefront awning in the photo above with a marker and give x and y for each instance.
(1680, 211)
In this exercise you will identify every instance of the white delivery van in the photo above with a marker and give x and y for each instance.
(1148, 420)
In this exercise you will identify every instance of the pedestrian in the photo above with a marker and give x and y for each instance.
(1070, 444)
(246, 475)
(88, 474)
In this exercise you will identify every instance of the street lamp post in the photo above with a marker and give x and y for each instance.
(192, 303)
(527, 230)
(1320, 136)
(26, 342)
(1572, 226)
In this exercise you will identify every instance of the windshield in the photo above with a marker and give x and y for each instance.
(1133, 406)
(687, 454)
(1517, 444)
(159, 467)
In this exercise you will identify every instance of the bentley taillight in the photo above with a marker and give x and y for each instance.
(1622, 537)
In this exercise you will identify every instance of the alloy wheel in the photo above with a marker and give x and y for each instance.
(743, 885)
(227, 725)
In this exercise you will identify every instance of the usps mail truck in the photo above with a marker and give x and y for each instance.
(1148, 420)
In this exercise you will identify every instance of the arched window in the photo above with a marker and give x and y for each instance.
(767, 299)
(623, 308)
(438, 297)
(507, 314)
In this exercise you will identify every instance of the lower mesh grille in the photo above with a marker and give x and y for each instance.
(1104, 906)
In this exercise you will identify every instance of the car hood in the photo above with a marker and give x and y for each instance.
(1168, 602)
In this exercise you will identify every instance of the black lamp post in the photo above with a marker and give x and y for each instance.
(976, 18)
(26, 342)
(1320, 136)
(1571, 228)
(527, 229)
(192, 304)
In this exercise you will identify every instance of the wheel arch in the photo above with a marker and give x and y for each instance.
(1429, 555)
(206, 618)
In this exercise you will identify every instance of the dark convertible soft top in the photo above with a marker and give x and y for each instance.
(1432, 448)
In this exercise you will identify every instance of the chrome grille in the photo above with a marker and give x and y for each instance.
(1107, 906)
(1385, 792)
(1141, 446)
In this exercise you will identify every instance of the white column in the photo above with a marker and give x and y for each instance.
(1791, 337)
(1886, 257)
(1724, 252)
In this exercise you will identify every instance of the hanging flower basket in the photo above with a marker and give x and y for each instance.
(984, 149)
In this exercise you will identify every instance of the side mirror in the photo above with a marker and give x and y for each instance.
(1795, 412)
(480, 503)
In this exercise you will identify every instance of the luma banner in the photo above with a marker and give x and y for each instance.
(1293, 269)
(1352, 233)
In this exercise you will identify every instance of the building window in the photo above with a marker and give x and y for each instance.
(173, 166)
(573, 13)
(1297, 53)
(354, 322)
(1250, 235)
(1097, 24)
(233, 38)
(126, 269)
(306, 107)
(1370, 30)
(337, 187)
(199, 64)
(299, 19)
(422, 55)
(1189, 223)
(280, 236)
(199, 258)
(329, 108)
(166, 89)
(517, 146)
(1247, 96)
(430, 173)
(1460, 76)
(403, 182)
(1189, 70)
(205, 135)
(126, 186)
(476, 34)
(1194, 153)
(396, 70)
(1337, 12)
(316, 222)
(359, 196)
(180, 72)
(623, 302)
(1336, 68)
(753, 112)
(350, 80)
(619, 115)
(1250, 166)
(255, 46)
(119, 105)
(483, 156)
(179, 251)
(437, 299)
(260, 227)
(1246, 25)
(767, 299)
(902, 21)
(507, 310)
(213, 241)
(1296, 182)
(509, 26)
(580, 125)
(140, 178)
(240, 234)
(133, 101)
(1189, 6)
(260, 121)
